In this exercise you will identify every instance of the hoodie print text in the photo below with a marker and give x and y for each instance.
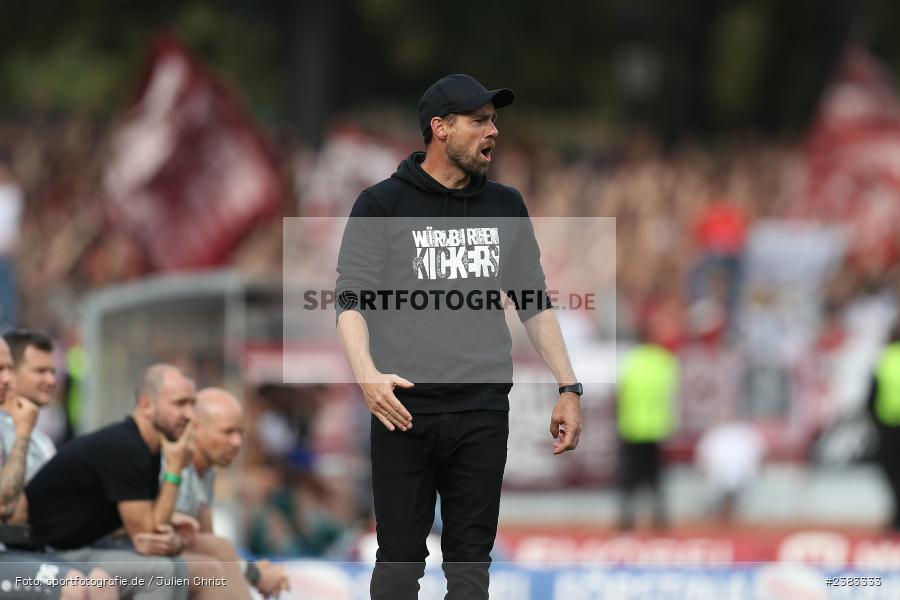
(456, 253)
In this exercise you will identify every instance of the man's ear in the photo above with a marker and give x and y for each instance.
(439, 128)
(145, 404)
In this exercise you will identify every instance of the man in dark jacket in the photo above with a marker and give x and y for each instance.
(884, 406)
(426, 258)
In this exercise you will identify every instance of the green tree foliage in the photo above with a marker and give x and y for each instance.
(83, 55)
(682, 68)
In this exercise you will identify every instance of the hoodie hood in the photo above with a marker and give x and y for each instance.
(410, 171)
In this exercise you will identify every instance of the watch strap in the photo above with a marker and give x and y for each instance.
(252, 573)
(575, 388)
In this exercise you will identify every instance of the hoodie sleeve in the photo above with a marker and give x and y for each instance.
(523, 278)
(363, 253)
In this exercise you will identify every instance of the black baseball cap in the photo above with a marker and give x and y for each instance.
(458, 94)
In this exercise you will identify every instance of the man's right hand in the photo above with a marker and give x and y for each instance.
(185, 526)
(178, 453)
(24, 414)
(378, 392)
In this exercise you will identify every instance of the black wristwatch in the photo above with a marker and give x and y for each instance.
(574, 388)
(252, 573)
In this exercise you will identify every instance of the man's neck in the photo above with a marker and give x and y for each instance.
(201, 463)
(148, 432)
(443, 171)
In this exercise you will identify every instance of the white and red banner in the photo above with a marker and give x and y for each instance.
(853, 157)
(189, 174)
(833, 549)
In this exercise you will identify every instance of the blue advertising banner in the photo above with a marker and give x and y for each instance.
(510, 581)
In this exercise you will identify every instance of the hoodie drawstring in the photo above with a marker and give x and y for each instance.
(466, 212)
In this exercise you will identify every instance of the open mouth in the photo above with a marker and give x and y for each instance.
(486, 152)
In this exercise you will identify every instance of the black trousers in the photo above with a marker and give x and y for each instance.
(641, 464)
(460, 456)
(888, 457)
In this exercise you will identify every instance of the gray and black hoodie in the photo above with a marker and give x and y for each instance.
(459, 251)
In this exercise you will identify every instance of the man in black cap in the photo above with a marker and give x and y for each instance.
(437, 234)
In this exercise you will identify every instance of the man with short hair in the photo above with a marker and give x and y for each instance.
(108, 479)
(439, 229)
(218, 437)
(35, 376)
(23, 451)
(32, 354)
(31, 358)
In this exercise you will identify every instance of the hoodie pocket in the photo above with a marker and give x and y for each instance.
(455, 348)
(404, 355)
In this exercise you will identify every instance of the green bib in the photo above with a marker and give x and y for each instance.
(887, 401)
(646, 395)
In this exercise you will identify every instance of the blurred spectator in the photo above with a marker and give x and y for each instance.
(708, 316)
(218, 439)
(720, 234)
(35, 380)
(832, 332)
(11, 206)
(293, 510)
(291, 524)
(283, 423)
(646, 418)
(729, 455)
(123, 458)
(23, 451)
(884, 405)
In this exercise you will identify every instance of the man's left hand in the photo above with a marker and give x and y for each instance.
(163, 542)
(565, 423)
(178, 454)
(272, 579)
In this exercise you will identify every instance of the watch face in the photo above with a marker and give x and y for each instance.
(575, 388)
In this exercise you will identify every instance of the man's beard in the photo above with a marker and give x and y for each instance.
(469, 163)
(170, 433)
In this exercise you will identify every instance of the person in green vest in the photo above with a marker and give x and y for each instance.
(884, 406)
(646, 417)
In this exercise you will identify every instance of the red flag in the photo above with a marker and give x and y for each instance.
(853, 157)
(189, 174)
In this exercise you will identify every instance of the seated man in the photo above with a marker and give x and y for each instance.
(218, 436)
(25, 387)
(108, 479)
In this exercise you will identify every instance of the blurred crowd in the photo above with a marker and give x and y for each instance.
(682, 215)
(683, 218)
(673, 210)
